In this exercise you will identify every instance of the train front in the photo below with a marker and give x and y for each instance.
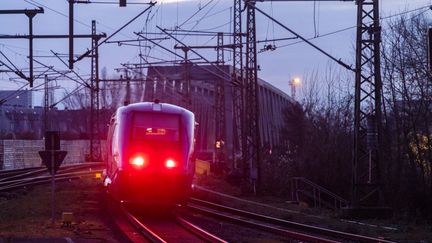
(158, 168)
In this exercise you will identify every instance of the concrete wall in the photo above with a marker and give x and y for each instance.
(17, 154)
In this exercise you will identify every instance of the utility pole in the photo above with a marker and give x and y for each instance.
(251, 138)
(220, 115)
(46, 104)
(238, 89)
(95, 147)
(367, 116)
(127, 99)
(30, 13)
(186, 75)
(71, 34)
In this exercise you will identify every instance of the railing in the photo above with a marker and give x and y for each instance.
(320, 196)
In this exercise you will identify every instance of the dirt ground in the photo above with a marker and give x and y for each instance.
(27, 213)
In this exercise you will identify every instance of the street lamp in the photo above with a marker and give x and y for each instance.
(294, 83)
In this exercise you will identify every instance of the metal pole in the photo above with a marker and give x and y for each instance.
(46, 105)
(238, 88)
(251, 138)
(53, 199)
(30, 16)
(71, 32)
(366, 160)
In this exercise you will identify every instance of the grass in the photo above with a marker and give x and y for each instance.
(28, 214)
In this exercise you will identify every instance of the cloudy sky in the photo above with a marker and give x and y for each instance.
(289, 59)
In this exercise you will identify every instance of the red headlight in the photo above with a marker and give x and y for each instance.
(170, 163)
(137, 161)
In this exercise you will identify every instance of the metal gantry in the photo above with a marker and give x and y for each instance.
(220, 116)
(186, 76)
(30, 13)
(46, 105)
(95, 146)
(367, 116)
(251, 137)
(238, 88)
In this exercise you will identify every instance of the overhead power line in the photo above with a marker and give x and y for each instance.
(354, 26)
(305, 40)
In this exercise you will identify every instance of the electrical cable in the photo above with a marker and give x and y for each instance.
(217, 27)
(34, 3)
(355, 26)
(314, 19)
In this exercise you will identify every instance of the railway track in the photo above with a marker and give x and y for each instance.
(17, 179)
(8, 173)
(160, 227)
(175, 228)
(289, 229)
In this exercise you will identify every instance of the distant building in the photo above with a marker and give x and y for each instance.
(166, 83)
(15, 98)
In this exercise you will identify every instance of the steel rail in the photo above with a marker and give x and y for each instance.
(41, 177)
(154, 237)
(259, 226)
(198, 231)
(42, 180)
(5, 173)
(35, 183)
(25, 173)
(144, 230)
(40, 170)
(281, 222)
(122, 222)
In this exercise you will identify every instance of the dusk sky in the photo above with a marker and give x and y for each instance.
(288, 60)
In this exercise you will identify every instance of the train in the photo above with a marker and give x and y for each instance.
(150, 154)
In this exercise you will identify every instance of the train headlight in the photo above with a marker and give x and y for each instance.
(169, 163)
(137, 161)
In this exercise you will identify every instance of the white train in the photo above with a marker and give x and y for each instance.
(150, 149)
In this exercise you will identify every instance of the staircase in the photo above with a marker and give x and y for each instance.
(303, 189)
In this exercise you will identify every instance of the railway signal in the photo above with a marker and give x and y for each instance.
(52, 157)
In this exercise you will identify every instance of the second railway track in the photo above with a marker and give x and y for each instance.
(18, 179)
(289, 229)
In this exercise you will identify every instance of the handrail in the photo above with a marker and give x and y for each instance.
(316, 193)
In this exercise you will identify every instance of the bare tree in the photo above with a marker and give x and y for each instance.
(407, 98)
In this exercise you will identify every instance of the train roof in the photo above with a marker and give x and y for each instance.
(152, 106)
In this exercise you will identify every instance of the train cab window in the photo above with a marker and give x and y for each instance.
(156, 127)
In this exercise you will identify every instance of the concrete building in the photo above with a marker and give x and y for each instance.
(16, 98)
(166, 83)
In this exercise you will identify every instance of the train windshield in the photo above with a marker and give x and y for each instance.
(156, 127)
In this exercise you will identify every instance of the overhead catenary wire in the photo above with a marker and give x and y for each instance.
(199, 55)
(37, 4)
(355, 26)
(170, 85)
(333, 32)
(115, 32)
(340, 62)
(73, 71)
(62, 73)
